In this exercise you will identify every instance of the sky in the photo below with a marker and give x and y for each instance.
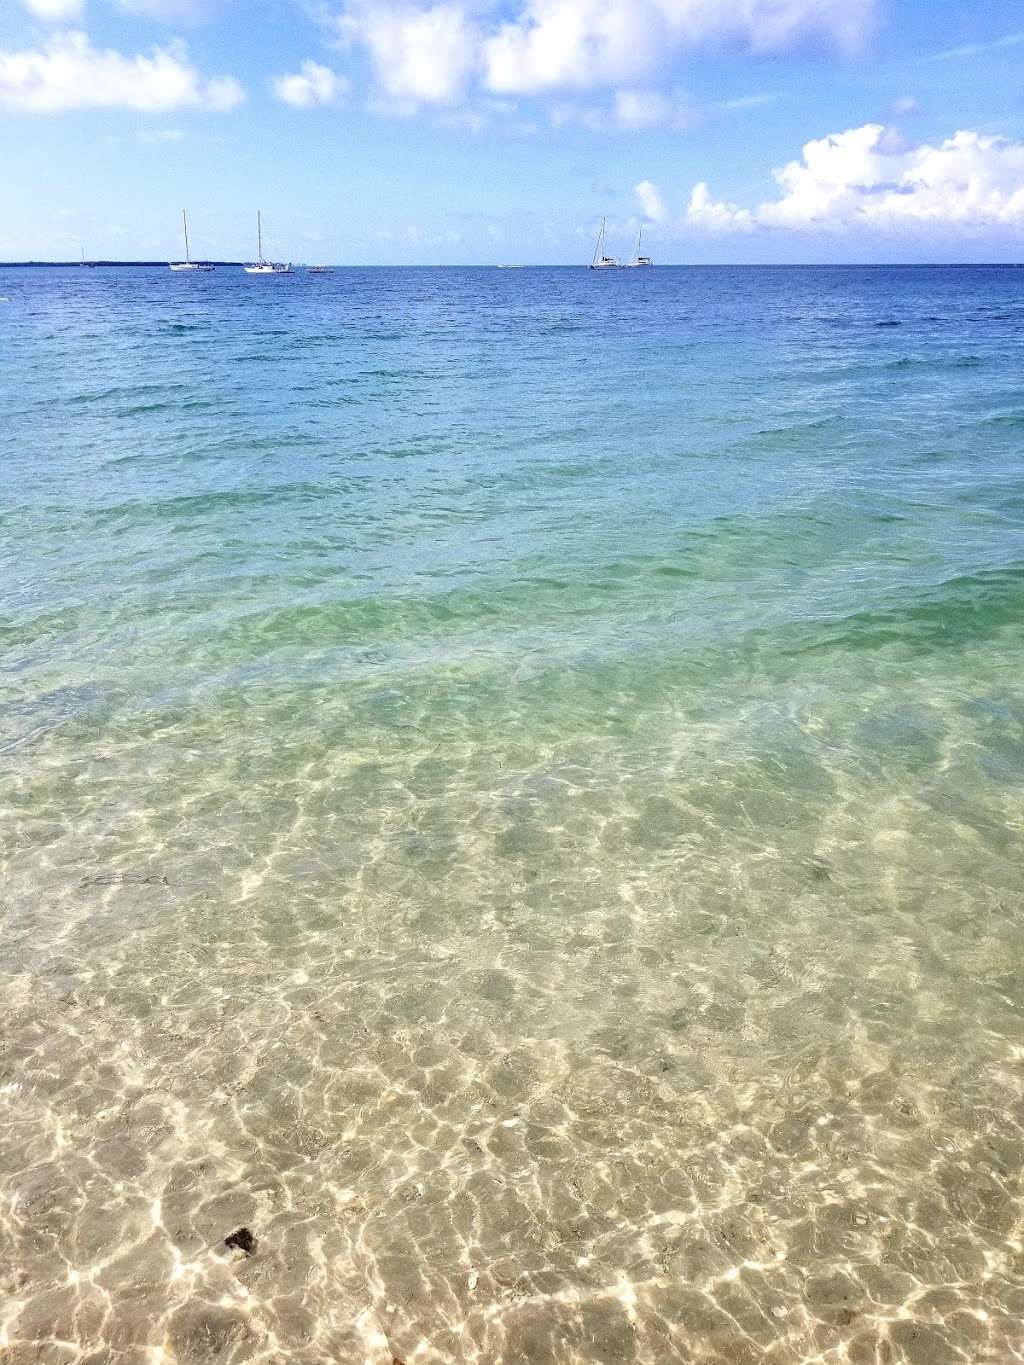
(503, 131)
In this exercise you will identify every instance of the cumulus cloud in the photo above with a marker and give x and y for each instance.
(420, 56)
(311, 85)
(583, 43)
(861, 179)
(651, 203)
(55, 11)
(559, 43)
(430, 54)
(69, 73)
(713, 215)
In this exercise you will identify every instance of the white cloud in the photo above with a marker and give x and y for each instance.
(569, 43)
(430, 54)
(651, 202)
(464, 120)
(311, 85)
(903, 105)
(860, 179)
(600, 42)
(69, 73)
(420, 56)
(979, 49)
(173, 11)
(639, 109)
(749, 102)
(567, 114)
(634, 111)
(156, 135)
(713, 215)
(55, 11)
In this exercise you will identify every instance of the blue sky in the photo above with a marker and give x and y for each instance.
(478, 131)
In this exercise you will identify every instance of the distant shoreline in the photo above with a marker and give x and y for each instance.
(98, 265)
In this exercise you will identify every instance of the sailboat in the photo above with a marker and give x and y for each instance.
(188, 263)
(89, 265)
(261, 266)
(601, 261)
(637, 258)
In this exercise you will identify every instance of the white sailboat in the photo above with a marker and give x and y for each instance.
(88, 265)
(188, 263)
(601, 261)
(261, 266)
(637, 258)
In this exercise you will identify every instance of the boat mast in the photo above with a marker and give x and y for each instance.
(259, 237)
(600, 243)
(639, 238)
(184, 223)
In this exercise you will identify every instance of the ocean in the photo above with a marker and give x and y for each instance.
(511, 800)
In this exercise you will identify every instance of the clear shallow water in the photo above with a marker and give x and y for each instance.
(512, 789)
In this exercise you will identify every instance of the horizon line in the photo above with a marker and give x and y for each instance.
(539, 265)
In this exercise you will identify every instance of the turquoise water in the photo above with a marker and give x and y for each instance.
(512, 789)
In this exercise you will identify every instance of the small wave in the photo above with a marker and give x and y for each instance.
(202, 504)
(935, 456)
(797, 429)
(141, 409)
(955, 362)
(400, 373)
(124, 393)
(956, 612)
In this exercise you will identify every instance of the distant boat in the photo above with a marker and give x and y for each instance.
(261, 266)
(601, 261)
(319, 269)
(188, 263)
(637, 258)
(89, 265)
